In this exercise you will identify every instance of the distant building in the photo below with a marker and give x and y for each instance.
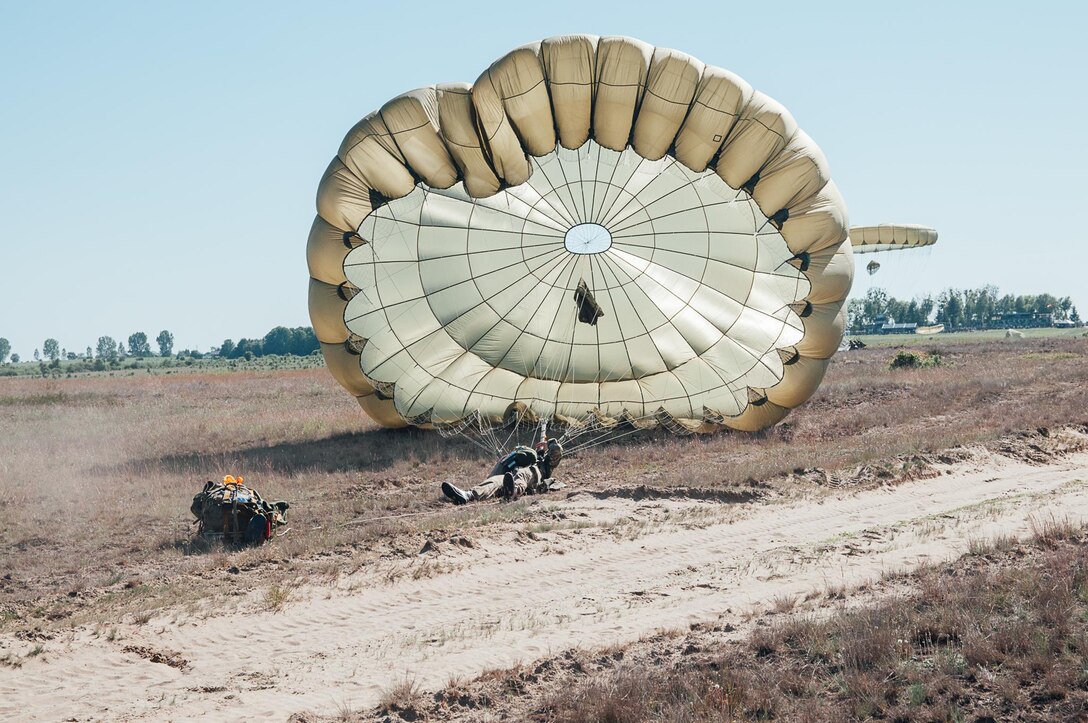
(1021, 320)
(884, 324)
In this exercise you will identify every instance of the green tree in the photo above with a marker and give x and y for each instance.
(51, 349)
(15, 359)
(855, 311)
(106, 350)
(876, 303)
(277, 341)
(247, 348)
(303, 341)
(37, 355)
(226, 349)
(950, 311)
(897, 310)
(166, 343)
(88, 354)
(925, 309)
(138, 346)
(5, 349)
(1064, 306)
(1074, 316)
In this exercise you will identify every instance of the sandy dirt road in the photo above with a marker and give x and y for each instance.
(627, 569)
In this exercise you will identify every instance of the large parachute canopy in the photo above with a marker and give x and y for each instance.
(595, 232)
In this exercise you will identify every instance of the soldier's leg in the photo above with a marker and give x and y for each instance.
(539, 483)
(488, 488)
(523, 480)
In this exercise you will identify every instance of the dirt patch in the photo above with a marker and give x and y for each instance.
(1043, 445)
(174, 660)
(644, 492)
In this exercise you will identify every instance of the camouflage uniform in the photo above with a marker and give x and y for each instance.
(526, 480)
(523, 471)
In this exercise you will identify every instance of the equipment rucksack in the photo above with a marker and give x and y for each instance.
(236, 513)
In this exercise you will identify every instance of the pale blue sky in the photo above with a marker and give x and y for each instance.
(158, 161)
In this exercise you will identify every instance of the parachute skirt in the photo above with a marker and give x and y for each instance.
(445, 293)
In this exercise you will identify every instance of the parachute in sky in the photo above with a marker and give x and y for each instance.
(891, 237)
(596, 231)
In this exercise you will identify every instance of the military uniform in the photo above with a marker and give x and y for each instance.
(523, 471)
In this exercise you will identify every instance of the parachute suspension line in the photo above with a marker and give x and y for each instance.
(596, 442)
(569, 434)
(601, 436)
(488, 433)
(475, 430)
(514, 427)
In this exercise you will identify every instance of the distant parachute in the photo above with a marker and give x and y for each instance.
(596, 232)
(872, 267)
(891, 237)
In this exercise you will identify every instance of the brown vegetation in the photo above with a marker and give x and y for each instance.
(97, 473)
(1001, 634)
(994, 636)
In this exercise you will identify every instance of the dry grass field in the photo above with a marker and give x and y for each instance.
(999, 634)
(97, 474)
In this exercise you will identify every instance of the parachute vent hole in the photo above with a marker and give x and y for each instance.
(749, 186)
(587, 238)
(780, 217)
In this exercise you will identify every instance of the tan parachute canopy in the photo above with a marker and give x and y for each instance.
(890, 237)
(594, 231)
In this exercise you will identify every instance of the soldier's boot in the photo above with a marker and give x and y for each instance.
(458, 495)
(510, 488)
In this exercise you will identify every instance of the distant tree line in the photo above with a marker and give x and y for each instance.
(956, 308)
(299, 341)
